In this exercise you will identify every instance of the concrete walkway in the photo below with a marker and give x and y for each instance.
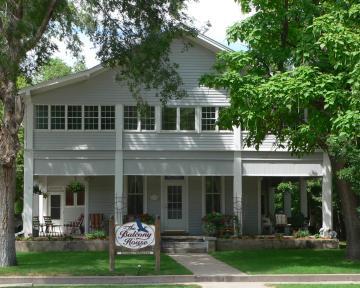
(204, 264)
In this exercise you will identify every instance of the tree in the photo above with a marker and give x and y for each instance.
(134, 35)
(300, 80)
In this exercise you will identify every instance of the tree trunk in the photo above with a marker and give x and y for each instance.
(349, 204)
(7, 230)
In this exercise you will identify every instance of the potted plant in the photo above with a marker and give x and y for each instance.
(75, 187)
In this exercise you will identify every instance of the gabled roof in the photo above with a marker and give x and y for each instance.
(202, 40)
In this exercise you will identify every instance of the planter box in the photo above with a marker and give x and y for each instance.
(66, 245)
(243, 244)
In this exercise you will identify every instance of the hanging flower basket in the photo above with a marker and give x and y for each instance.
(37, 191)
(75, 187)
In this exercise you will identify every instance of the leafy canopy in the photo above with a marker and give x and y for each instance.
(299, 78)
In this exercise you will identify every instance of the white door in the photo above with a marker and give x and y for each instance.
(174, 196)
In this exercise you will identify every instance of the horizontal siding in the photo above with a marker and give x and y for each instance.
(177, 141)
(195, 205)
(267, 145)
(101, 196)
(66, 140)
(250, 206)
(104, 89)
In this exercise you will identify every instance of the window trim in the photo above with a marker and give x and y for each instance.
(222, 194)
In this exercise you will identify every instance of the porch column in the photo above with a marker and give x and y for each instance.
(271, 201)
(303, 198)
(28, 192)
(237, 189)
(287, 204)
(28, 167)
(119, 167)
(327, 218)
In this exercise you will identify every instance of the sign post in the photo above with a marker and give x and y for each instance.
(157, 244)
(134, 238)
(111, 245)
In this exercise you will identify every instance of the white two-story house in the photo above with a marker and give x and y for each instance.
(174, 161)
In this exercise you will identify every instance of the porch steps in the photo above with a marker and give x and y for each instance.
(184, 244)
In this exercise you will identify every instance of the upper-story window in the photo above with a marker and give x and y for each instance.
(187, 119)
(147, 118)
(91, 117)
(107, 117)
(58, 117)
(42, 117)
(74, 116)
(134, 120)
(208, 118)
(130, 118)
(178, 119)
(168, 118)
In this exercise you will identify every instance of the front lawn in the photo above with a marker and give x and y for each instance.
(89, 263)
(289, 261)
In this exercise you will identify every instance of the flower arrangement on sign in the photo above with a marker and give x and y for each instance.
(75, 187)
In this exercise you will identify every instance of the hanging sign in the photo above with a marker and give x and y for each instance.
(134, 235)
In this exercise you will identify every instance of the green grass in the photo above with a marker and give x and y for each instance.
(317, 286)
(89, 263)
(289, 261)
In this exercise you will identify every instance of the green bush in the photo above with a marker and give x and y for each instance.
(97, 234)
(220, 225)
(302, 233)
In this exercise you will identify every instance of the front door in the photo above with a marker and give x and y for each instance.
(175, 217)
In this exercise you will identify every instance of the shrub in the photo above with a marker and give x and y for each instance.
(219, 225)
(302, 233)
(97, 234)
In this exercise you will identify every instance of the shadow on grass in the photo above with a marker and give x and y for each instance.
(90, 263)
(289, 261)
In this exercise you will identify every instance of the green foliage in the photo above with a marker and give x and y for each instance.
(220, 225)
(98, 234)
(302, 233)
(293, 189)
(55, 68)
(75, 187)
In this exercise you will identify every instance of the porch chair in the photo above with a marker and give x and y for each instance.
(96, 221)
(50, 227)
(281, 222)
(75, 226)
(37, 228)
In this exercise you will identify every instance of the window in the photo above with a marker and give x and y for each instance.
(55, 207)
(42, 117)
(107, 117)
(74, 117)
(147, 118)
(130, 118)
(174, 199)
(213, 194)
(91, 117)
(187, 119)
(168, 118)
(135, 195)
(57, 117)
(69, 198)
(208, 118)
(80, 198)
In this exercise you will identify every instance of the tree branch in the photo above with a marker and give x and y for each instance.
(42, 28)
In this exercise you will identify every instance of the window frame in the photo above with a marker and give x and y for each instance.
(144, 192)
(216, 126)
(82, 118)
(222, 194)
(139, 124)
(101, 118)
(75, 198)
(35, 117)
(65, 117)
(178, 119)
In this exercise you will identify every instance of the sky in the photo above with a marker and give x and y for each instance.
(220, 13)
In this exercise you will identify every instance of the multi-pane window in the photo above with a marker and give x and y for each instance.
(213, 194)
(208, 118)
(168, 118)
(74, 116)
(91, 117)
(187, 119)
(42, 117)
(147, 118)
(135, 195)
(58, 117)
(174, 199)
(130, 118)
(107, 117)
